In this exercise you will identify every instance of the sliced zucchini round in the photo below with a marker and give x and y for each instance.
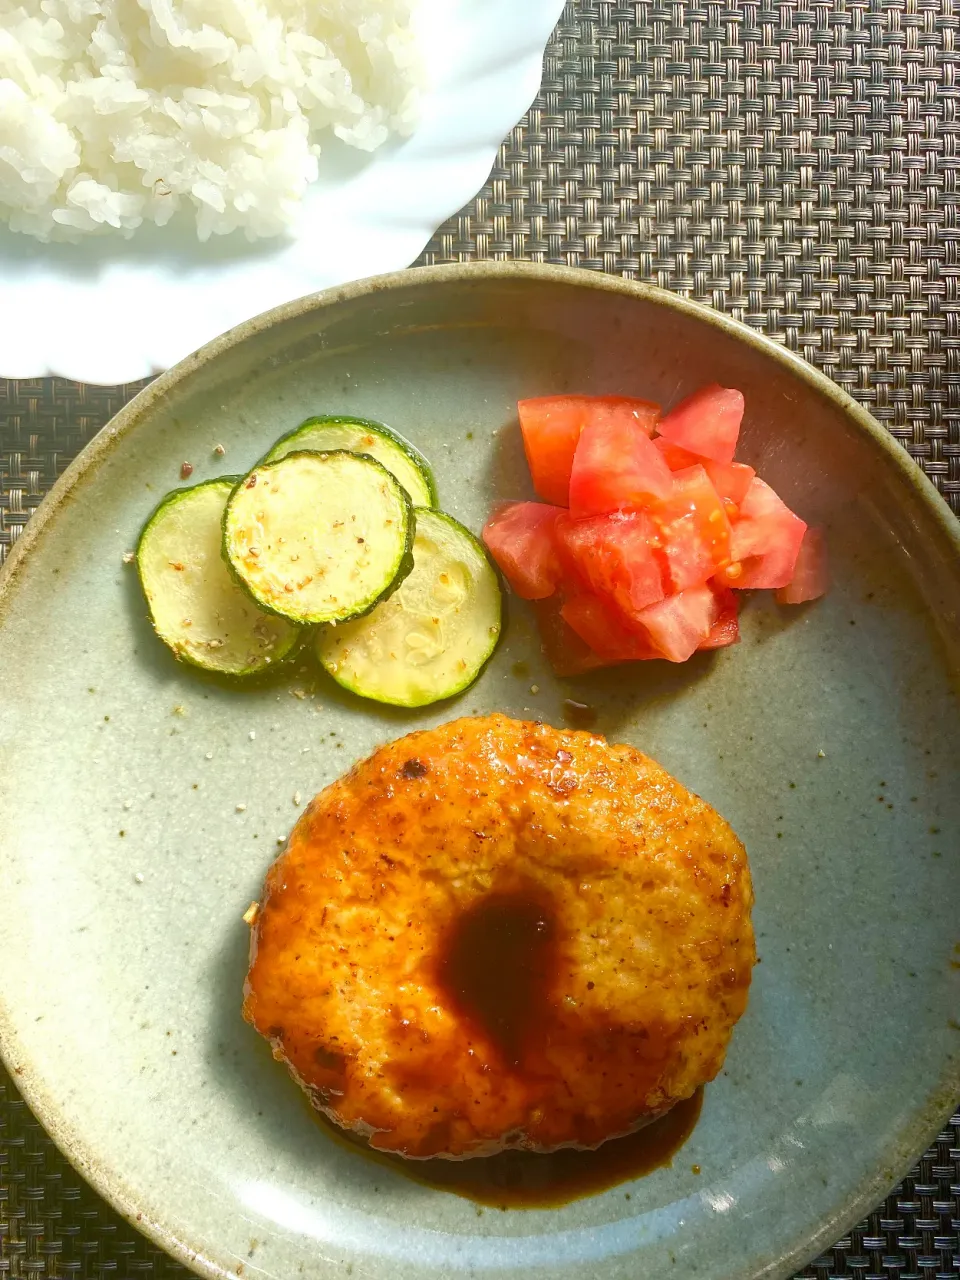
(359, 435)
(196, 606)
(431, 639)
(319, 537)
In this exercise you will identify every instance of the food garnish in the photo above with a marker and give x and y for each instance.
(333, 539)
(648, 529)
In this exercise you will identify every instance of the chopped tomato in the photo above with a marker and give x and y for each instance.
(519, 536)
(694, 530)
(597, 623)
(614, 557)
(674, 455)
(624, 409)
(615, 467)
(811, 577)
(706, 423)
(730, 479)
(637, 555)
(551, 427)
(566, 652)
(726, 629)
(765, 541)
(679, 625)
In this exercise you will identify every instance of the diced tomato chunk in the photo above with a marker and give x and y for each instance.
(674, 456)
(551, 427)
(726, 629)
(615, 467)
(679, 625)
(644, 538)
(597, 623)
(730, 479)
(694, 530)
(566, 652)
(614, 557)
(765, 541)
(624, 410)
(519, 536)
(707, 423)
(811, 575)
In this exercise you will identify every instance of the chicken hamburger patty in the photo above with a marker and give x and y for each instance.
(497, 934)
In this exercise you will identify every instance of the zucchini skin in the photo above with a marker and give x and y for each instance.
(404, 563)
(367, 424)
(414, 703)
(478, 544)
(299, 639)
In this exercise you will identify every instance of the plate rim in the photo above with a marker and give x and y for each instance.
(915, 1136)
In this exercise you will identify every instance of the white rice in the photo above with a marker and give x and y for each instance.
(115, 113)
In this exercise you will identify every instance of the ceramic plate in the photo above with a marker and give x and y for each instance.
(829, 738)
(109, 310)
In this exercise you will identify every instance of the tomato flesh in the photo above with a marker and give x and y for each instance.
(707, 422)
(624, 410)
(679, 625)
(598, 625)
(551, 428)
(694, 530)
(811, 576)
(726, 629)
(614, 557)
(520, 537)
(730, 479)
(616, 466)
(645, 536)
(567, 653)
(766, 540)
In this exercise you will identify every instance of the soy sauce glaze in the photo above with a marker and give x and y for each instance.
(497, 966)
(528, 1180)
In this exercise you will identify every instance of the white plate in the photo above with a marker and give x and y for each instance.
(111, 311)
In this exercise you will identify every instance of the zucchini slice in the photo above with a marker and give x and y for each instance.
(431, 639)
(359, 435)
(196, 606)
(319, 537)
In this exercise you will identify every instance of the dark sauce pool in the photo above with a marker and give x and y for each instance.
(525, 1180)
(496, 967)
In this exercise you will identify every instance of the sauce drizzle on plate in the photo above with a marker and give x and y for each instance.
(529, 1180)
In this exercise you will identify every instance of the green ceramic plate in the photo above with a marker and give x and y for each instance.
(829, 737)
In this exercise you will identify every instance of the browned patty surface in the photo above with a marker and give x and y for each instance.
(496, 934)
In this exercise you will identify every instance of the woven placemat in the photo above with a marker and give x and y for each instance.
(793, 164)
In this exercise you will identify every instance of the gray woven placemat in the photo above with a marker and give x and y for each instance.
(794, 164)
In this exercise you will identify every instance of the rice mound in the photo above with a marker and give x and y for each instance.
(115, 113)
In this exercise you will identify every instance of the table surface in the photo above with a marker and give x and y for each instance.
(793, 164)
